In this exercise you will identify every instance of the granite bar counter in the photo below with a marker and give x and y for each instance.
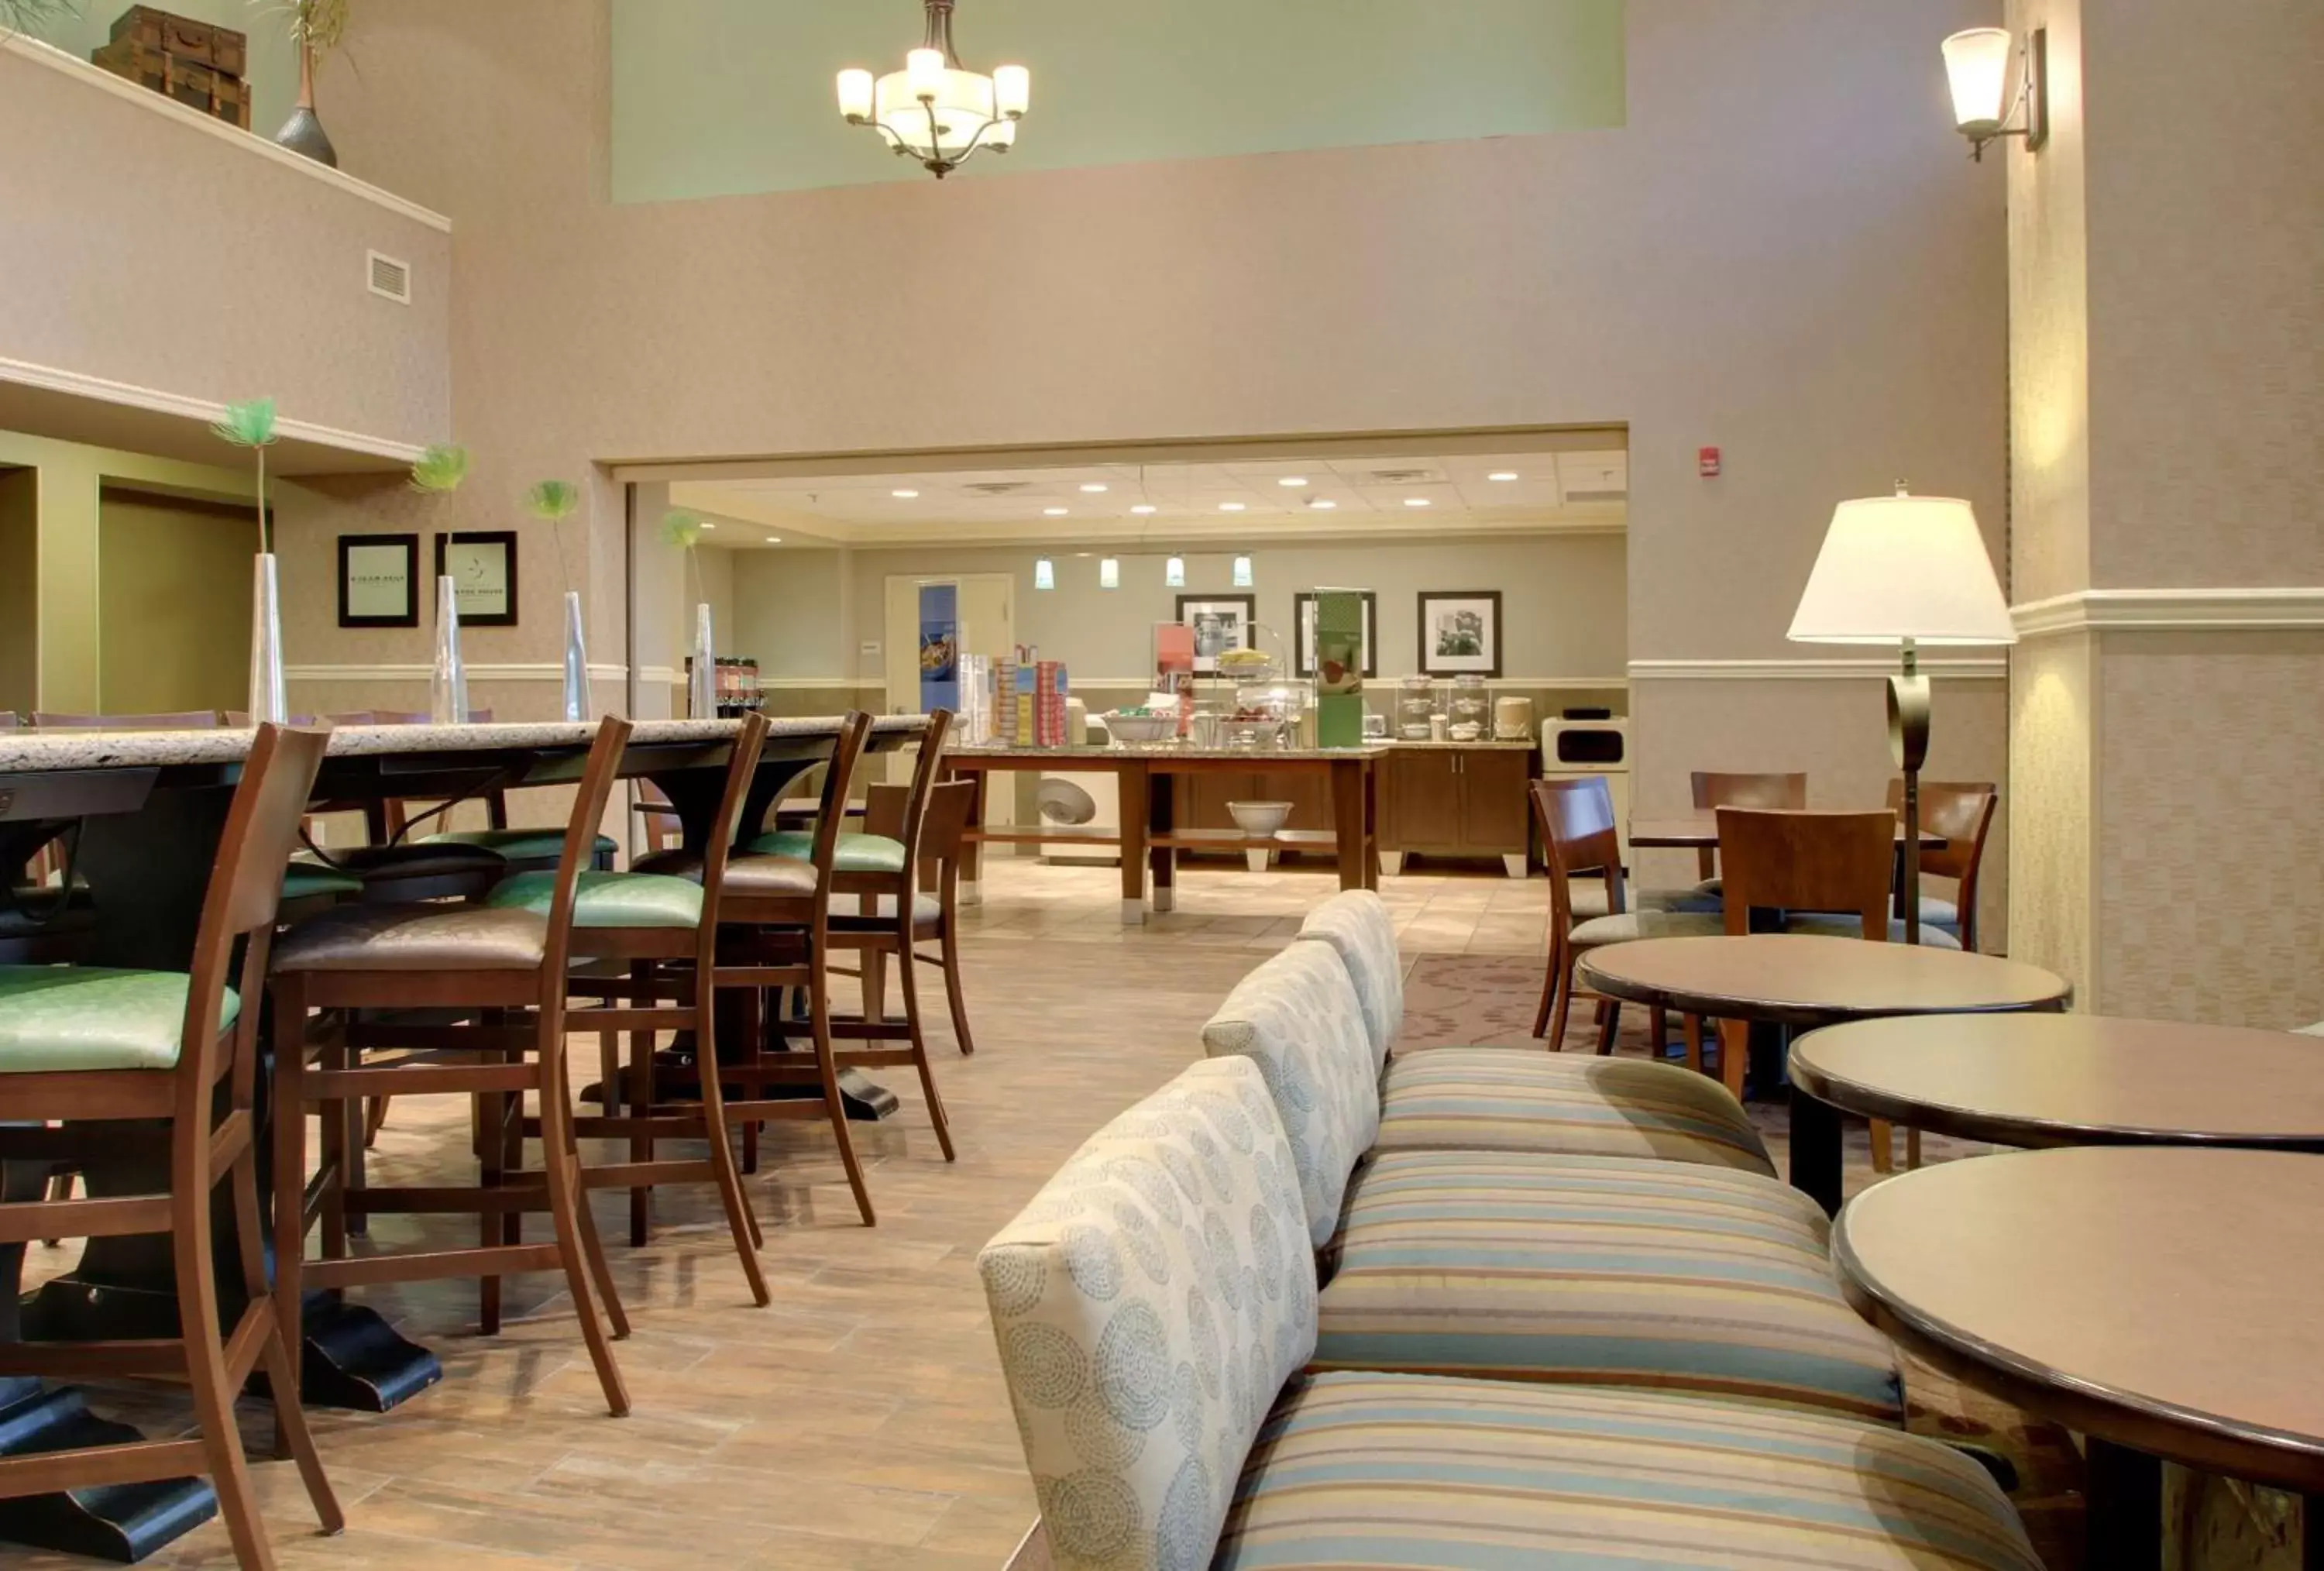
(1149, 838)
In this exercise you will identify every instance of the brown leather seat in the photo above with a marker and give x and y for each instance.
(759, 877)
(418, 938)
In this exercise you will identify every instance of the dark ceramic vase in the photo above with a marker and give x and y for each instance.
(303, 134)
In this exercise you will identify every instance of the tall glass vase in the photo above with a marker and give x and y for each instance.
(702, 681)
(268, 701)
(447, 683)
(576, 660)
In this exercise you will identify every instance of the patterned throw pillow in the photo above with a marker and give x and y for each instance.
(1149, 1304)
(1357, 925)
(1298, 1018)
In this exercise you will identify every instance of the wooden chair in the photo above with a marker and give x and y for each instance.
(944, 835)
(1579, 840)
(1962, 812)
(1788, 862)
(1713, 789)
(493, 963)
(663, 932)
(87, 1050)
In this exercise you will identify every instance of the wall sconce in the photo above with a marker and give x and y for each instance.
(1109, 573)
(1174, 573)
(1242, 576)
(1045, 573)
(1977, 67)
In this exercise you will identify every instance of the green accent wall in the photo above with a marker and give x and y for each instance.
(271, 69)
(723, 97)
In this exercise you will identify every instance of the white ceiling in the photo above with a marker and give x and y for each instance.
(1400, 494)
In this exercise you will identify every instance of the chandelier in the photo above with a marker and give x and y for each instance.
(933, 109)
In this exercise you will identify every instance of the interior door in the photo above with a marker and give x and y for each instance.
(988, 626)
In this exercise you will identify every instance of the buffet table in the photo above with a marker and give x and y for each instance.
(1149, 836)
(151, 807)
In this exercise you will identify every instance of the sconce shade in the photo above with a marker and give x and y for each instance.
(1977, 67)
(1899, 568)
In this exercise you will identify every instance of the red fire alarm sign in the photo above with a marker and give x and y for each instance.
(1706, 462)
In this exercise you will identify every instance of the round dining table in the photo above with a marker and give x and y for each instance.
(1803, 982)
(2038, 1080)
(2161, 1302)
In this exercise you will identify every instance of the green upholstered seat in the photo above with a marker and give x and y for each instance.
(305, 879)
(520, 845)
(56, 1019)
(1364, 1472)
(608, 900)
(1521, 1099)
(855, 853)
(1599, 1271)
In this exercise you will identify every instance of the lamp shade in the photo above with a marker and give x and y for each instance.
(1894, 568)
(1976, 69)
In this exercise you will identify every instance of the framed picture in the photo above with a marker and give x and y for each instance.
(1221, 623)
(1461, 633)
(1303, 657)
(379, 577)
(482, 569)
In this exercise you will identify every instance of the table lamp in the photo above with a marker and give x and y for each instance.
(1904, 570)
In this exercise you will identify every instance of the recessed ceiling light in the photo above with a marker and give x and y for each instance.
(1323, 504)
(903, 495)
(1143, 508)
(707, 524)
(1415, 502)
(774, 540)
(1053, 511)
(1082, 554)
(1229, 507)
(1293, 481)
(1094, 487)
(1502, 476)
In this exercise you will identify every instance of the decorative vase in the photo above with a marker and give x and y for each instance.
(576, 660)
(268, 701)
(303, 134)
(702, 680)
(448, 684)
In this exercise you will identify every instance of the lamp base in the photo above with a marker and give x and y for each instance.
(1908, 744)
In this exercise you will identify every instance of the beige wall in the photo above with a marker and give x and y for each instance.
(173, 605)
(141, 251)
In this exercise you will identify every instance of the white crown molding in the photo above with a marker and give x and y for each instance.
(97, 76)
(154, 400)
(2172, 611)
(1993, 669)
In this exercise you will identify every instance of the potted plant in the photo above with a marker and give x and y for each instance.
(683, 529)
(316, 27)
(553, 501)
(438, 471)
(252, 425)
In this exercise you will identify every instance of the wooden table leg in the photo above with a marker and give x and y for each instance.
(1161, 817)
(1131, 782)
(1815, 1148)
(972, 850)
(2311, 1529)
(1350, 821)
(2123, 1510)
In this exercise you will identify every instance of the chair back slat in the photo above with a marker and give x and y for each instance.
(742, 770)
(1962, 812)
(925, 771)
(1577, 837)
(838, 778)
(1786, 860)
(596, 789)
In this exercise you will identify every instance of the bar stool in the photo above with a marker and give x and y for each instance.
(664, 931)
(465, 959)
(775, 932)
(91, 1046)
(936, 917)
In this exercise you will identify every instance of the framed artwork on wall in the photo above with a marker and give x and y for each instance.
(1221, 623)
(1461, 633)
(379, 580)
(1303, 655)
(482, 570)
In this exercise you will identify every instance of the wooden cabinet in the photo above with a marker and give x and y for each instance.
(1457, 802)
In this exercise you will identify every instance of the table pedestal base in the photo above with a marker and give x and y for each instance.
(121, 1522)
(2123, 1506)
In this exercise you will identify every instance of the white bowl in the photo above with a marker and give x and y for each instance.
(1260, 818)
(1140, 727)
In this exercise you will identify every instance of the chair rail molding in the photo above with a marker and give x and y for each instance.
(156, 401)
(2225, 610)
(1981, 667)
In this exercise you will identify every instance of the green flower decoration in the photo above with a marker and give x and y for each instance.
(440, 469)
(24, 16)
(553, 501)
(246, 425)
(680, 528)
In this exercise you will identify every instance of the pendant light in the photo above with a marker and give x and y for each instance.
(934, 109)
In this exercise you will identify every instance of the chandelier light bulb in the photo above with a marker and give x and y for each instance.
(855, 96)
(936, 109)
(1012, 91)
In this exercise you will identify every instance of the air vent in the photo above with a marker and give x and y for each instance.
(999, 488)
(1405, 477)
(390, 279)
(1573, 496)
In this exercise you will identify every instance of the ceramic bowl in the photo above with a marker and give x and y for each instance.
(1260, 818)
(1140, 727)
